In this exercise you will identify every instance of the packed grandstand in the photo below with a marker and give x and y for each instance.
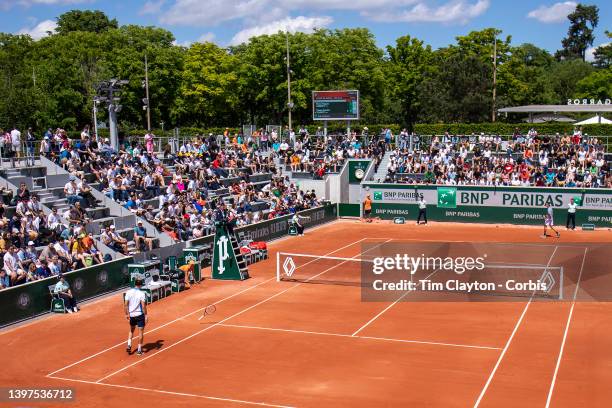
(177, 190)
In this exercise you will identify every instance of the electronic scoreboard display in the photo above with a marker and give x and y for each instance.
(335, 105)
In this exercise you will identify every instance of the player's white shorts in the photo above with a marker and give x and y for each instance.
(549, 222)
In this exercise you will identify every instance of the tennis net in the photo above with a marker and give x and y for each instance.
(432, 283)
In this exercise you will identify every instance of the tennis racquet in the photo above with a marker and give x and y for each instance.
(208, 310)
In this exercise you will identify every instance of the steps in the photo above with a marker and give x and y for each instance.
(381, 174)
(242, 264)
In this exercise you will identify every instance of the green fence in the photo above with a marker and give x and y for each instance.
(503, 205)
(32, 299)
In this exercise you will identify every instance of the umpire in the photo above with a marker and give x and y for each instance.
(571, 215)
(422, 210)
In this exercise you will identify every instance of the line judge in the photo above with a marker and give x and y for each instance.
(422, 210)
(571, 214)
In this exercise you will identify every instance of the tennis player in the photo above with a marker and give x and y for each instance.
(367, 209)
(549, 221)
(135, 306)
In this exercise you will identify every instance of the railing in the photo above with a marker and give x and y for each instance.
(365, 140)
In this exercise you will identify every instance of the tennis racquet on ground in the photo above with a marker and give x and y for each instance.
(208, 310)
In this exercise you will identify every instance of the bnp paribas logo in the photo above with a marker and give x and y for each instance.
(578, 200)
(447, 197)
(378, 195)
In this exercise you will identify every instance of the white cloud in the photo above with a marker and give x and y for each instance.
(590, 52)
(557, 13)
(152, 7)
(207, 37)
(298, 24)
(27, 3)
(358, 5)
(7, 4)
(214, 12)
(39, 30)
(451, 12)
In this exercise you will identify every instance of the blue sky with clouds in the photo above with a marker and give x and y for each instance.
(225, 22)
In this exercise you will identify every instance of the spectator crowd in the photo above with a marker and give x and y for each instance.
(524, 160)
(35, 245)
(178, 191)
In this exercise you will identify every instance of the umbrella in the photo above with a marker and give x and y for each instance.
(595, 120)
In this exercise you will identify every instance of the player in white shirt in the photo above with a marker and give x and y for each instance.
(135, 307)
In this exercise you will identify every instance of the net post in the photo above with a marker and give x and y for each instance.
(278, 266)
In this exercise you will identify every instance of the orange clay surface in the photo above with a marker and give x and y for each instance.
(295, 344)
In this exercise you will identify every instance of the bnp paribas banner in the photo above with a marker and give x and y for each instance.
(452, 197)
(489, 204)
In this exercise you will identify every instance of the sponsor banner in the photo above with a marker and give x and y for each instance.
(481, 214)
(455, 197)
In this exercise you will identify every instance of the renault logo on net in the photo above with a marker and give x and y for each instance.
(289, 266)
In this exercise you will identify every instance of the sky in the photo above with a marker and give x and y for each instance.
(229, 22)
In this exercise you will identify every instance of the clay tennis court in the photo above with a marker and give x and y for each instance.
(308, 345)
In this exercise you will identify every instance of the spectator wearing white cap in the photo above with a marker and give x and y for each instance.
(27, 256)
(119, 242)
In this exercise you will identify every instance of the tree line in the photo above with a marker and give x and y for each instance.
(51, 82)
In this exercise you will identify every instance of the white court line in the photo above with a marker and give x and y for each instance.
(388, 307)
(182, 394)
(533, 244)
(224, 320)
(192, 313)
(434, 343)
(567, 326)
(503, 353)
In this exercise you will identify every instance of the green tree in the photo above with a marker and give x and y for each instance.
(598, 85)
(603, 54)
(524, 77)
(324, 60)
(129, 44)
(67, 69)
(580, 35)
(458, 89)
(19, 101)
(207, 93)
(409, 60)
(93, 21)
(564, 77)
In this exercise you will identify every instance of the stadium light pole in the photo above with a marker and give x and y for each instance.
(109, 91)
(289, 103)
(95, 116)
(147, 100)
(494, 75)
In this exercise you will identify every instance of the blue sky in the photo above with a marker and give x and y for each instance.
(225, 22)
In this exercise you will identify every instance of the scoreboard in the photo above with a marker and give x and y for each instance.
(335, 105)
